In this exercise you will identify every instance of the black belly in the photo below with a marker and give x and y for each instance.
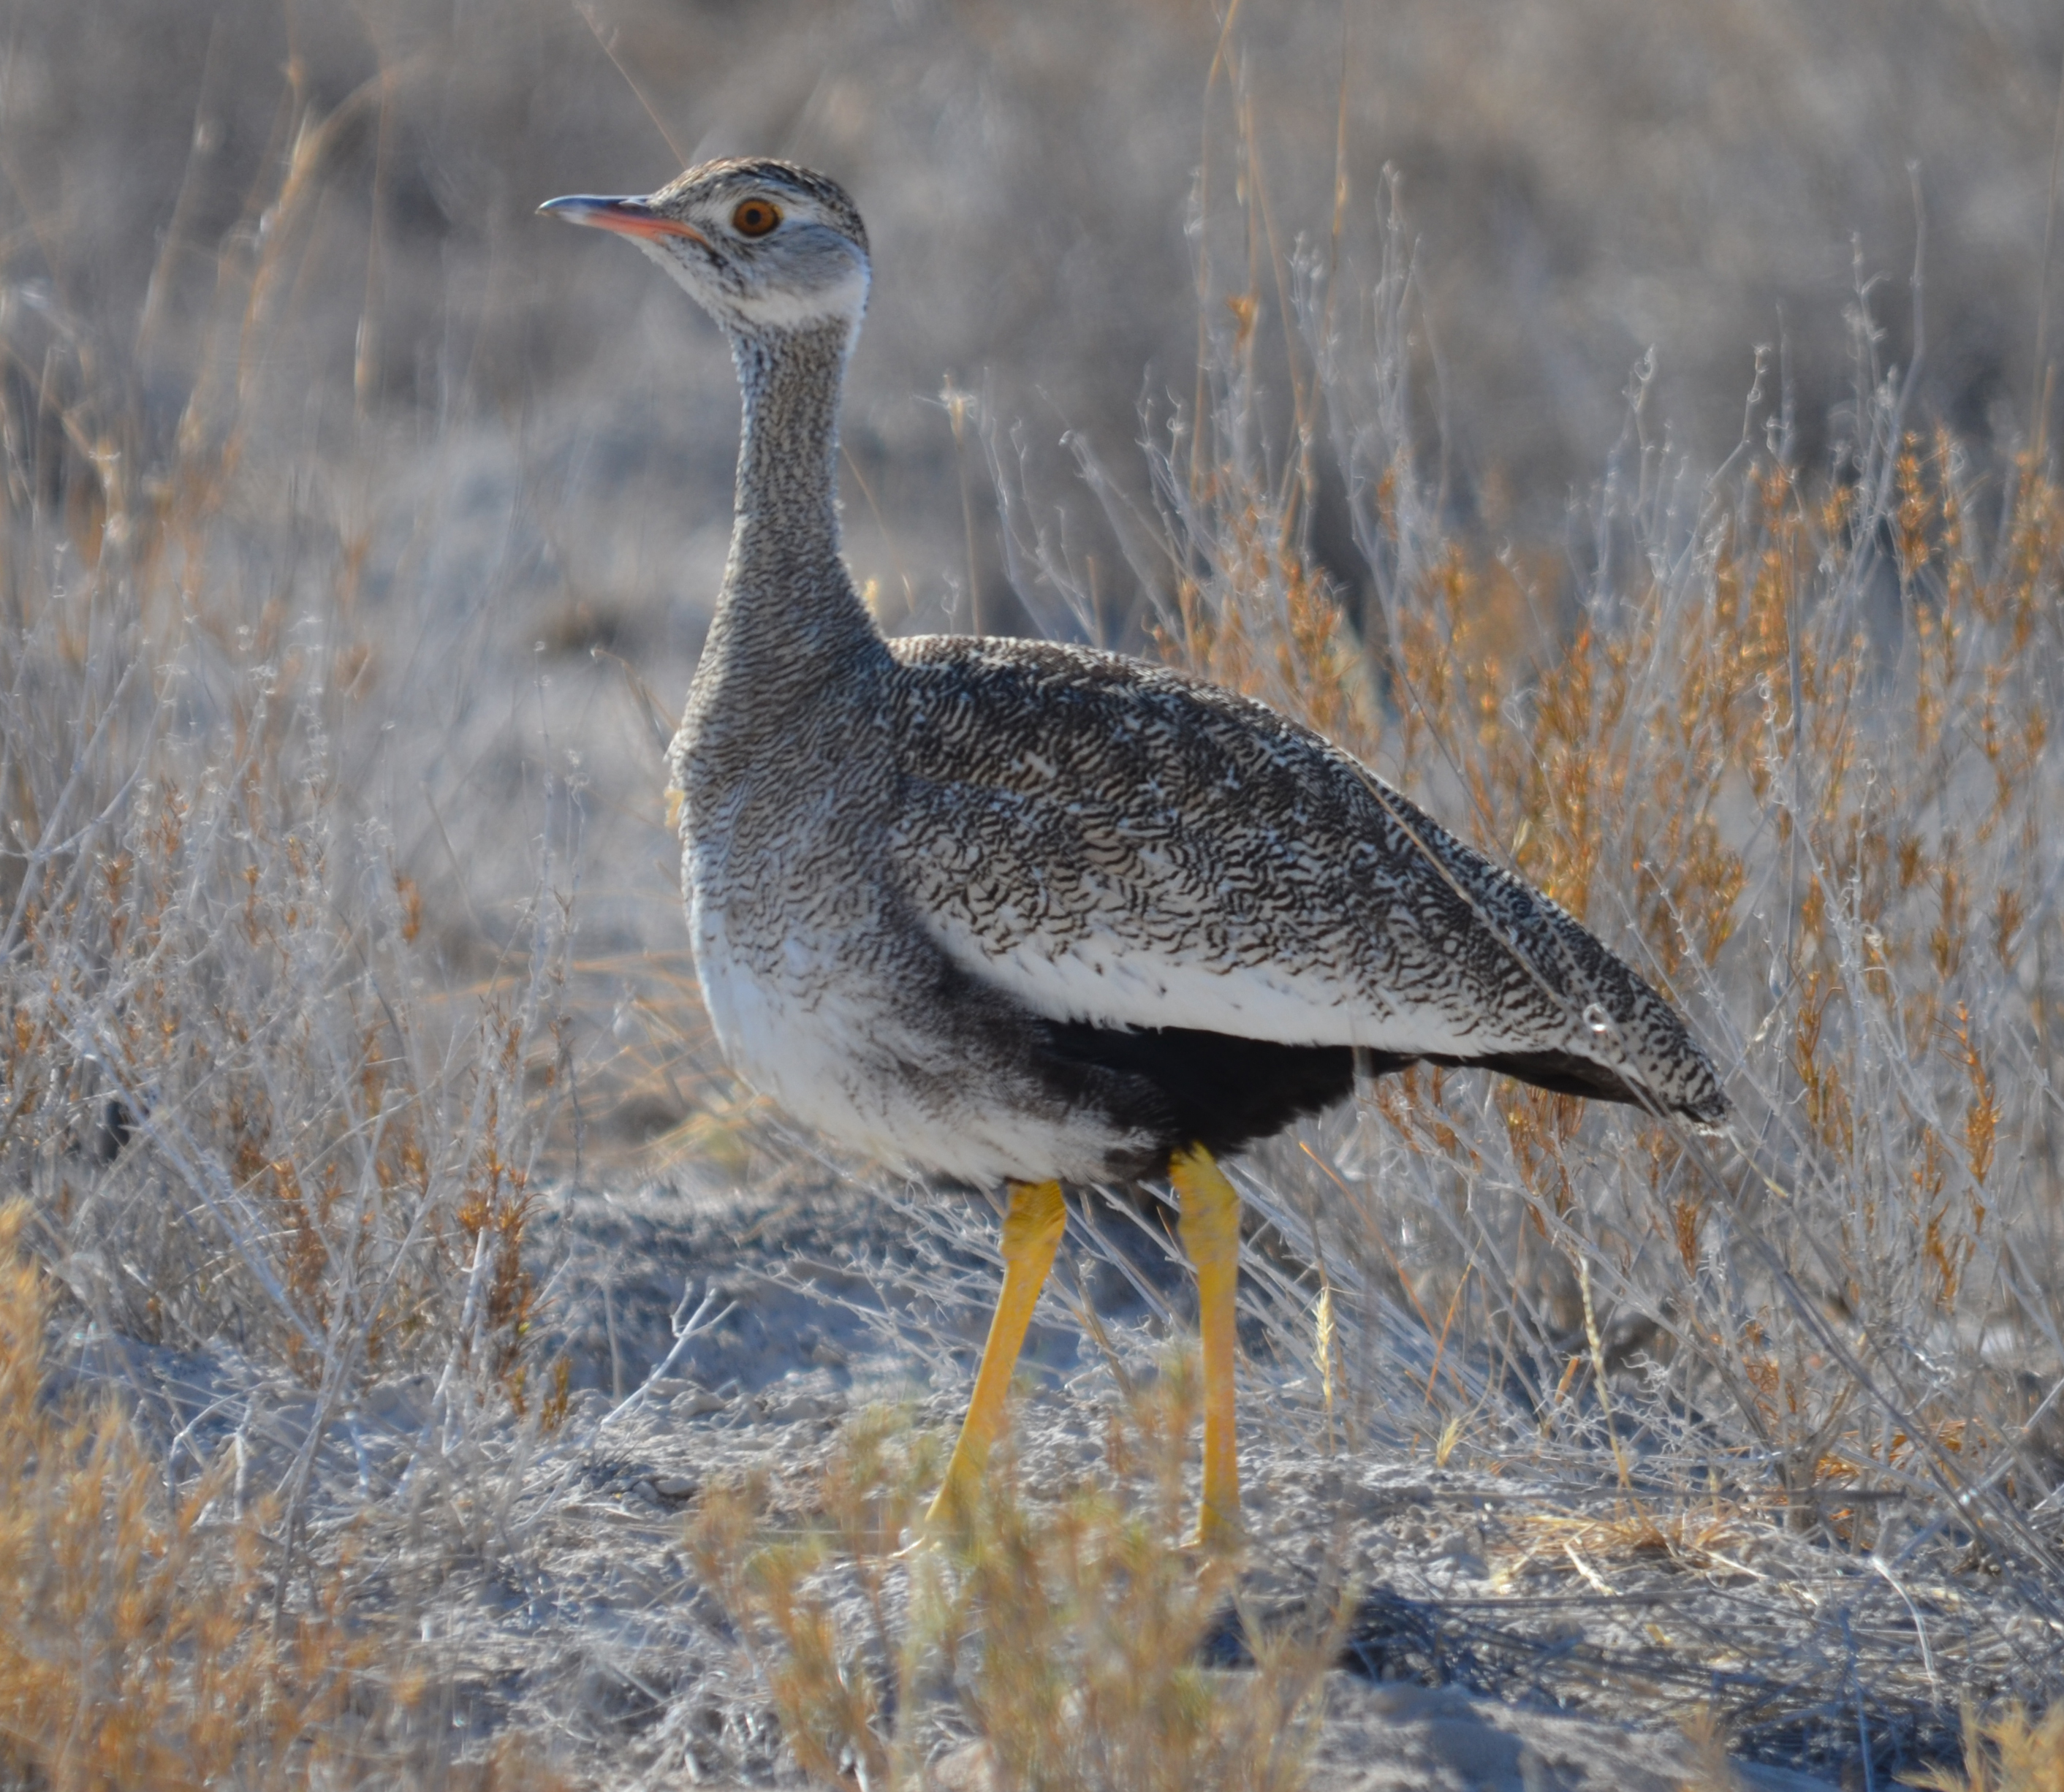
(1181, 1086)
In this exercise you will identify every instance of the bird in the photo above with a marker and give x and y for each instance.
(1030, 913)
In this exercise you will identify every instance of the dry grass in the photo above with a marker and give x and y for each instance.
(216, 964)
(252, 1122)
(1789, 749)
(286, 1076)
(1781, 736)
(141, 1640)
(1062, 1631)
(2010, 1752)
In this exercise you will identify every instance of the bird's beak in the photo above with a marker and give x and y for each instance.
(629, 217)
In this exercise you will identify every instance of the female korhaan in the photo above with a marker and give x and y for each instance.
(1021, 912)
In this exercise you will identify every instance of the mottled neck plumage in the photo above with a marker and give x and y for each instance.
(788, 605)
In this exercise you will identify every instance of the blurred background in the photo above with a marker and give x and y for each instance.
(1583, 181)
(306, 234)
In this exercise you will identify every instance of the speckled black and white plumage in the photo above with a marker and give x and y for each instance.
(1015, 909)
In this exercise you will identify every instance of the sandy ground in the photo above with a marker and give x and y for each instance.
(551, 1574)
(1396, 1737)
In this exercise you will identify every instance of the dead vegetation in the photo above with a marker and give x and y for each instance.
(281, 1105)
(1059, 1640)
(145, 1643)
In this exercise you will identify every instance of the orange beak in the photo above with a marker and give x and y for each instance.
(628, 217)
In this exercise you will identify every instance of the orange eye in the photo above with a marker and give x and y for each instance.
(755, 217)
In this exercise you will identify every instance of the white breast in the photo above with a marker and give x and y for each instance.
(848, 1054)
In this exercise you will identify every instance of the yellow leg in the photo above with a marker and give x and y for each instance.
(1031, 1234)
(1211, 1234)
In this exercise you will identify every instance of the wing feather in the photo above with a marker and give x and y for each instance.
(1113, 843)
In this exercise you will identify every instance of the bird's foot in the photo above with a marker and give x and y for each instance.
(1216, 1539)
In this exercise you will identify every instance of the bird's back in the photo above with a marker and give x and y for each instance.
(1120, 845)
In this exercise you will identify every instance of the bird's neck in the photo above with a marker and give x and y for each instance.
(788, 605)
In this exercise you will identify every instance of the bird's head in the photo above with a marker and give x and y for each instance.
(763, 246)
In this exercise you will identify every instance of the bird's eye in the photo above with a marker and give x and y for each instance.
(755, 217)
